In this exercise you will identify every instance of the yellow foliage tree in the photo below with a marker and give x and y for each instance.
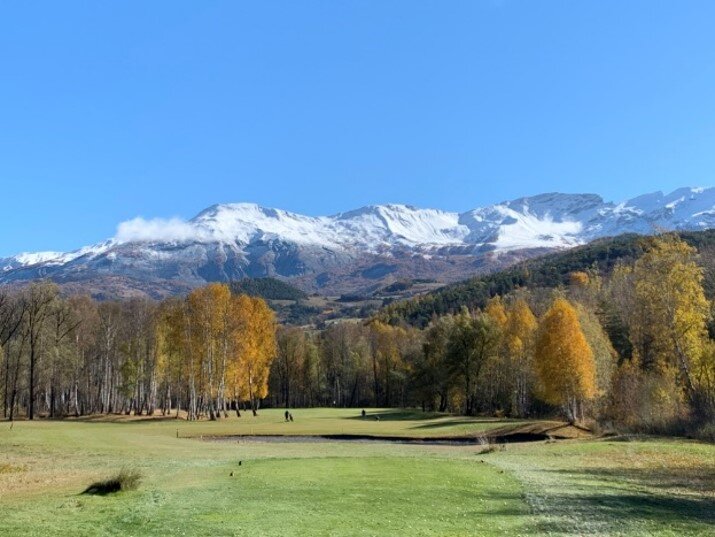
(208, 310)
(579, 279)
(496, 382)
(388, 346)
(519, 334)
(604, 355)
(219, 345)
(668, 325)
(172, 358)
(254, 348)
(563, 360)
(497, 312)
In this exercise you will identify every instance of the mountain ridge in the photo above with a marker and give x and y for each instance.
(340, 253)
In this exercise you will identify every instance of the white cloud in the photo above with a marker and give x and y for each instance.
(158, 229)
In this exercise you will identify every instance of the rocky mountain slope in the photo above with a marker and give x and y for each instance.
(354, 251)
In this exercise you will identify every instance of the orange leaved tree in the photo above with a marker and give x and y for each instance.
(563, 360)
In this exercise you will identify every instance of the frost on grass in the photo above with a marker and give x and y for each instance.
(545, 495)
(640, 488)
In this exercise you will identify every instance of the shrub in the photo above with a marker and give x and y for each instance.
(646, 402)
(126, 479)
(706, 432)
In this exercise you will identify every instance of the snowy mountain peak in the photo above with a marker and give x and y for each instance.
(556, 204)
(245, 222)
(240, 211)
(225, 241)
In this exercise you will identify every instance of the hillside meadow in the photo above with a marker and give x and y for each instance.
(194, 482)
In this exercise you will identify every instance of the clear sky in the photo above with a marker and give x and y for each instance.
(112, 110)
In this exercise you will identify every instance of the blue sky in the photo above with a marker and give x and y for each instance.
(111, 110)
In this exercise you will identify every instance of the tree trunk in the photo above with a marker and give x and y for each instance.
(31, 409)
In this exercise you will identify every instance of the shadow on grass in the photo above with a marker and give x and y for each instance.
(626, 513)
(118, 418)
(633, 500)
(672, 478)
(102, 488)
(465, 421)
(397, 414)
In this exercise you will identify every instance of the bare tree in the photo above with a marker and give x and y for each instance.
(38, 299)
(11, 315)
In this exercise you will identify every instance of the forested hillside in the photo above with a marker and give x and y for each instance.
(267, 289)
(549, 271)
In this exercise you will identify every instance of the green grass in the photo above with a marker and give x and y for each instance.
(392, 422)
(318, 496)
(648, 487)
(575, 487)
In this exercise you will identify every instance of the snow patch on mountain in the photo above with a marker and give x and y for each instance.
(32, 258)
(247, 222)
(384, 225)
(263, 238)
(27, 259)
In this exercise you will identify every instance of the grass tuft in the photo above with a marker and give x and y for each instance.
(9, 468)
(126, 479)
(489, 444)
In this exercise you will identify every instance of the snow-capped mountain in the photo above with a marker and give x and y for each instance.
(352, 250)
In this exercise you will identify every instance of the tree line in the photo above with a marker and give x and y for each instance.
(203, 355)
(632, 347)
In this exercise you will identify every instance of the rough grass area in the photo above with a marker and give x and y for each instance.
(9, 468)
(646, 487)
(193, 487)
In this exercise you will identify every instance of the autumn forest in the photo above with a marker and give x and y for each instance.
(627, 349)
